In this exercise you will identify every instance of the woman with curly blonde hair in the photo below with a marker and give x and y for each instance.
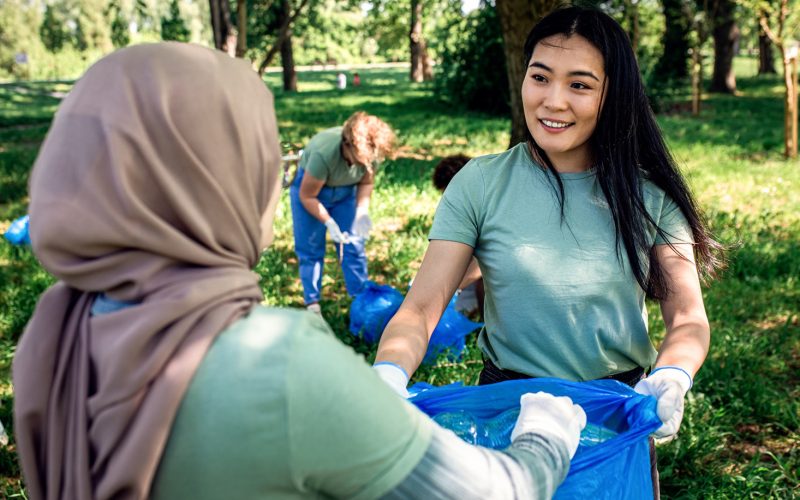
(331, 193)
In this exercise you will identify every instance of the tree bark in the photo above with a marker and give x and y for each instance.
(420, 62)
(287, 54)
(726, 36)
(224, 36)
(241, 37)
(517, 17)
(283, 32)
(766, 62)
(673, 64)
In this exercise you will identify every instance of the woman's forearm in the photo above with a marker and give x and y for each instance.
(686, 345)
(315, 208)
(404, 341)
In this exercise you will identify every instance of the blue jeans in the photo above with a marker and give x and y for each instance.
(309, 239)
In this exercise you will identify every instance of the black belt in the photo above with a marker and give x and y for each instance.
(491, 374)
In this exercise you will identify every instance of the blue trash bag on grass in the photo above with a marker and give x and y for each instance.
(372, 309)
(450, 334)
(613, 457)
(18, 232)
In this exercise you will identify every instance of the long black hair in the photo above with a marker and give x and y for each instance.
(626, 145)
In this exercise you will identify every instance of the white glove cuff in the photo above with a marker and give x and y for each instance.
(685, 380)
(362, 210)
(394, 376)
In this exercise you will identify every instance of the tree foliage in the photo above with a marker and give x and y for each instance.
(173, 26)
(52, 31)
(472, 71)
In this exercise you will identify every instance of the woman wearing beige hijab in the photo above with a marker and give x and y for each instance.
(151, 370)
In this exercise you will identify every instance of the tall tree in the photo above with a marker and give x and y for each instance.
(420, 62)
(790, 53)
(52, 31)
(673, 64)
(174, 27)
(241, 26)
(286, 24)
(766, 62)
(517, 17)
(726, 37)
(224, 34)
(120, 33)
(287, 53)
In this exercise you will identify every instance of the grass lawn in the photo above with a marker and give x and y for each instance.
(741, 434)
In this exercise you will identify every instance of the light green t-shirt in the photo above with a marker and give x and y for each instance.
(322, 158)
(559, 302)
(280, 409)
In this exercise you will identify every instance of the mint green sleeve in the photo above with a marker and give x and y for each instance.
(349, 434)
(315, 164)
(459, 214)
(674, 225)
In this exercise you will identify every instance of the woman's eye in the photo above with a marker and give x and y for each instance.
(579, 86)
(539, 78)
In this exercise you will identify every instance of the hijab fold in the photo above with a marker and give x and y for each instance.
(149, 188)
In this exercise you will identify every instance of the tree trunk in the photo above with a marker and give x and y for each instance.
(287, 55)
(241, 37)
(726, 36)
(283, 32)
(224, 36)
(790, 104)
(420, 62)
(766, 63)
(673, 64)
(517, 17)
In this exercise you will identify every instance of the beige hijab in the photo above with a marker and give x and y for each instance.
(149, 187)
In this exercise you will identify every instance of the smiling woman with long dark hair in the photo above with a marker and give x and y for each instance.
(572, 228)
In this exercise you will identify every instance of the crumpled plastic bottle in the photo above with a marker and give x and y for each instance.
(495, 432)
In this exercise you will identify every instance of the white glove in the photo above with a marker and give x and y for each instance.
(551, 416)
(336, 234)
(669, 385)
(362, 224)
(394, 376)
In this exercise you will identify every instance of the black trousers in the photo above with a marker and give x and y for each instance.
(491, 374)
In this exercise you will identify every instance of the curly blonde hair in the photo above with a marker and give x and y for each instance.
(369, 138)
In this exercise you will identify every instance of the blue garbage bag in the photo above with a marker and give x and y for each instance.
(613, 458)
(450, 334)
(18, 232)
(372, 309)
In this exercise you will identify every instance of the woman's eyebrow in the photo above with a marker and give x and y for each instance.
(589, 74)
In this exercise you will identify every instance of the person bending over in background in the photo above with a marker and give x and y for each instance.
(331, 193)
(150, 370)
(470, 290)
(573, 228)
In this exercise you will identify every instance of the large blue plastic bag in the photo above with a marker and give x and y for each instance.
(616, 468)
(18, 232)
(372, 309)
(450, 334)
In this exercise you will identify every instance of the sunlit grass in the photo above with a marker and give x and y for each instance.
(740, 434)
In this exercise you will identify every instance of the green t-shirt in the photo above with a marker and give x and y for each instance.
(322, 158)
(559, 302)
(280, 409)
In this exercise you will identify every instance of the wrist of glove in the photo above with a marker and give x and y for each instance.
(362, 224)
(335, 233)
(394, 376)
(554, 417)
(669, 385)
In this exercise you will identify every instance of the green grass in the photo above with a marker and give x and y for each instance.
(740, 437)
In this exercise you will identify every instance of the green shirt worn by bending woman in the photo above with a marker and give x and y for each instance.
(561, 301)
